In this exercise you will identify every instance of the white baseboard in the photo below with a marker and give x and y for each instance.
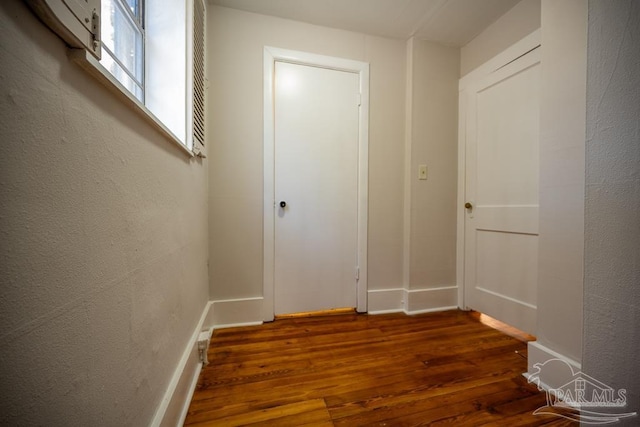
(175, 403)
(432, 299)
(551, 375)
(380, 301)
(189, 394)
(236, 312)
(413, 301)
(432, 310)
(217, 314)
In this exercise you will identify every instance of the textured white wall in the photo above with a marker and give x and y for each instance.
(236, 40)
(103, 242)
(612, 221)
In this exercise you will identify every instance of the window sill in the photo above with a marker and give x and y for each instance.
(90, 64)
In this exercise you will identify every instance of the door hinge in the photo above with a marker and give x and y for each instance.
(357, 273)
(95, 29)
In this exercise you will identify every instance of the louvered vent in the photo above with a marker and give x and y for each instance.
(198, 72)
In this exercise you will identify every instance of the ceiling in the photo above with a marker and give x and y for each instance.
(450, 22)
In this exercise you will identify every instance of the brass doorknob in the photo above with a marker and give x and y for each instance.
(468, 205)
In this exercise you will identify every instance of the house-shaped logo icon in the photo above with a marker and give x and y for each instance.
(585, 391)
(577, 398)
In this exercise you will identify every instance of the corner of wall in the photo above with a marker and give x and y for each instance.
(414, 301)
(611, 342)
(408, 135)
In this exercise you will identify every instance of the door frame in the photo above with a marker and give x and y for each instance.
(271, 55)
(512, 53)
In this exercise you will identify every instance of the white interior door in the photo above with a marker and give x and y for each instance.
(316, 181)
(501, 192)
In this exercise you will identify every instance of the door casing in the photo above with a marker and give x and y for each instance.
(271, 55)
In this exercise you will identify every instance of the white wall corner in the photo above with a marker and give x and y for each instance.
(545, 367)
(434, 299)
(414, 301)
(462, 164)
(175, 403)
(236, 312)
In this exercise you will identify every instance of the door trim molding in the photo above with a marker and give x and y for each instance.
(271, 55)
(465, 86)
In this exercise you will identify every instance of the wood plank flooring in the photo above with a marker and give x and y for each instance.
(447, 368)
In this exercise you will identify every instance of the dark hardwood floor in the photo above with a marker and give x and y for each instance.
(447, 368)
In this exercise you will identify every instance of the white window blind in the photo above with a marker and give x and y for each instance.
(198, 72)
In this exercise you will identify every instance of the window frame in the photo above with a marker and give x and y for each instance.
(80, 28)
(137, 22)
(90, 64)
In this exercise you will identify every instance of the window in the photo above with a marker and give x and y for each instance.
(123, 43)
(149, 52)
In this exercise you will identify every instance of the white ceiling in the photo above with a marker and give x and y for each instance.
(451, 22)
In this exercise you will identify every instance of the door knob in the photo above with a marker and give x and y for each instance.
(468, 205)
(283, 204)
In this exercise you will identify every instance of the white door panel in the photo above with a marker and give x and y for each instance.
(316, 175)
(501, 184)
(507, 139)
(504, 259)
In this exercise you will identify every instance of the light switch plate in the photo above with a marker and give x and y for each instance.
(422, 172)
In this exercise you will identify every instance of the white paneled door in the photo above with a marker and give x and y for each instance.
(501, 192)
(316, 188)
